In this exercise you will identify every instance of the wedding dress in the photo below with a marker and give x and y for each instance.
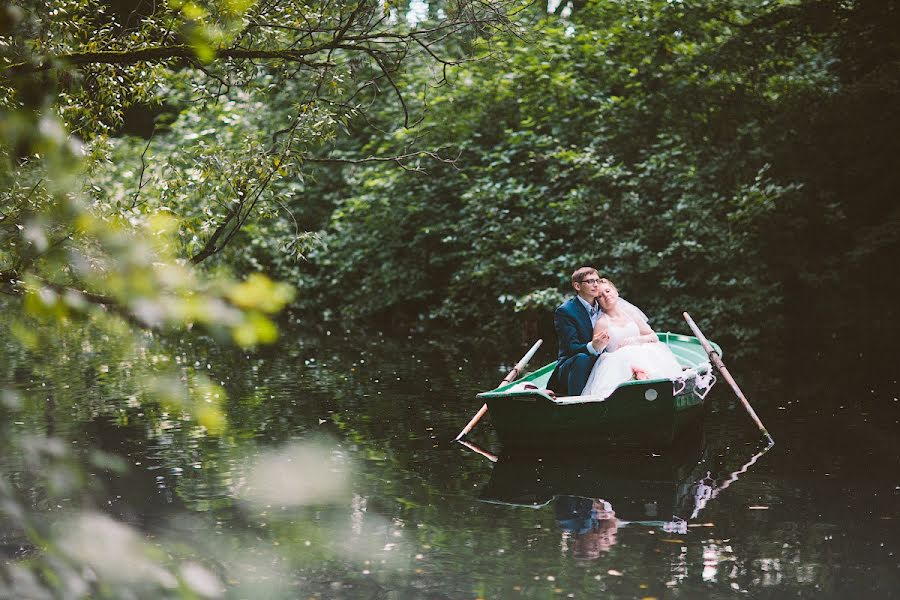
(616, 365)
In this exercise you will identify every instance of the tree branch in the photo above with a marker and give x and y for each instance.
(163, 53)
(211, 246)
(398, 159)
(137, 193)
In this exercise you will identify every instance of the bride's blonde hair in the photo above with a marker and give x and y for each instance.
(607, 281)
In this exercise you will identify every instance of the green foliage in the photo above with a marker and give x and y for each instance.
(673, 146)
(605, 141)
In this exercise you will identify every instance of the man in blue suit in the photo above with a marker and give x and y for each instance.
(574, 322)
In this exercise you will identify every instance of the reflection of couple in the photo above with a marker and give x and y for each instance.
(604, 341)
(591, 522)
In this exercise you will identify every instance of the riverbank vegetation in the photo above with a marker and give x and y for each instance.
(456, 166)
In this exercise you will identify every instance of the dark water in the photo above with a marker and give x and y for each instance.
(336, 477)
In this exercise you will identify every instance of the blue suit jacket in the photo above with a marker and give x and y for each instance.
(573, 332)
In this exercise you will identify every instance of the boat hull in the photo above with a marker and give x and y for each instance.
(628, 417)
(645, 414)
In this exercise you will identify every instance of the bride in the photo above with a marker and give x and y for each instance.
(633, 351)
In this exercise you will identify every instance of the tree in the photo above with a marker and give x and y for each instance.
(611, 140)
(724, 158)
(318, 65)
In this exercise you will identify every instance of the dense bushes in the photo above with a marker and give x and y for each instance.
(714, 158)
(733, 158)
(620, 139)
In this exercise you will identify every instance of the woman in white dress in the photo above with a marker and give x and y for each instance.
(633, 350)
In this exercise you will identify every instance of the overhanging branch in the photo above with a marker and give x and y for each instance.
(163, 53)
(398, 159)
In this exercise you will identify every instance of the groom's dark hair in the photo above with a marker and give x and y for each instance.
(582, 272)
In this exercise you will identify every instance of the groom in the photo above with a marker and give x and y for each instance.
(574, 322)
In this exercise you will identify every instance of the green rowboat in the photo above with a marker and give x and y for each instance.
(650, 413)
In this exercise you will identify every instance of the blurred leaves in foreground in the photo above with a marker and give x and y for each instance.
(110, 247)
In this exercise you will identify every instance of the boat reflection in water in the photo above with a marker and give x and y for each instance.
(595, 494)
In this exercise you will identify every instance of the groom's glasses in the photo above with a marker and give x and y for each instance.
(590, 281)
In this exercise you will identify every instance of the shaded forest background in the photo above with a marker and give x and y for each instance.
(733, 158)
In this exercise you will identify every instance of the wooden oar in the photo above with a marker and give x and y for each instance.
(476, 448)
(516, 371)
(717, 361)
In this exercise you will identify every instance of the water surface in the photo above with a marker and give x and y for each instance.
(336, 477)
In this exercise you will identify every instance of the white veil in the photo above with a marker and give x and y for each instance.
(633, 310)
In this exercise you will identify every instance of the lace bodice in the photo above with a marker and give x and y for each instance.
(617, 334)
